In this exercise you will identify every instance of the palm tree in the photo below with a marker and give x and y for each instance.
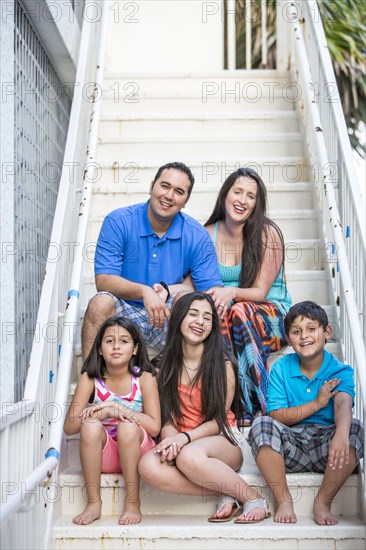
(346, 35)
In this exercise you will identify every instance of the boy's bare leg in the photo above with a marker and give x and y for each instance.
(272, 467)
(332, 482)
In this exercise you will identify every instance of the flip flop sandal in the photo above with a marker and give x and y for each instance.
(221, 503)
(250, 505)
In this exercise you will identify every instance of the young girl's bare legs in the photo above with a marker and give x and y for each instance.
(204, 467)
(92, 441)
(129, 439)
(272, 467)
(332, 482)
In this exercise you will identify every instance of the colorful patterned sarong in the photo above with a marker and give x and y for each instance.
(251, 331)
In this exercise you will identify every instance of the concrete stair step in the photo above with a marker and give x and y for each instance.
(132, 98)
(213, 171)
(207, 146)
(294, 224)
(302, 285)
(187, 81)
(196, 123)
(280, 195)
(192, 532)
(303, 488)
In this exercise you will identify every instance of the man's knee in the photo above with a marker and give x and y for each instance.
(101, 305)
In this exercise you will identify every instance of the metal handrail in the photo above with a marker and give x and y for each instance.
(43, 470)
(321, 137)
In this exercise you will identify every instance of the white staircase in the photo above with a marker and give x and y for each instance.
(167, 120)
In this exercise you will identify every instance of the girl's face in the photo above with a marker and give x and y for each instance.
(117, 346)
(197, 324)
(241, 199)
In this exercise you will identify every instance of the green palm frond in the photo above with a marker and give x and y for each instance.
(345, 29)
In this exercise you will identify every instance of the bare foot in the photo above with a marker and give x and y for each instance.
(131, 514)
(92, 512)
(323, 515)
(285, 513)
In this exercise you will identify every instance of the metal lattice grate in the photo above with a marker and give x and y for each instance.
(42, 109)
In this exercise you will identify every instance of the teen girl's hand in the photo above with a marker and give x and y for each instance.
(222, 296)
(170, 447)
(326, 392)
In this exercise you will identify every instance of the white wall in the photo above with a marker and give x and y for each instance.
(165, 35)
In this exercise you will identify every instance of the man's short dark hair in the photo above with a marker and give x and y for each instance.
(177, 166)
(307, 309)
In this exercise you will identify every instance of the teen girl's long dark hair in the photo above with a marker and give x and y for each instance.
(94, 365)
(211, 373)
(254, 228)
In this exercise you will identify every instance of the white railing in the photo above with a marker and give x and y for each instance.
(339, 195)
(35, 425)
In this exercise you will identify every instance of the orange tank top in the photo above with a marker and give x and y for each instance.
(191, 407)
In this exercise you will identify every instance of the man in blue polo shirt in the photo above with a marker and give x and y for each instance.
(144, 254)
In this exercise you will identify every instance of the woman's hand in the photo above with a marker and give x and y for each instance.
(222, 297)
(170, 447)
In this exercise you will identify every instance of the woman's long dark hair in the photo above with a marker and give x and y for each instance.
(211, 372)
(254, 228)
(94, 365)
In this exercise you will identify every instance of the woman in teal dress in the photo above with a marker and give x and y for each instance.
(254, 299)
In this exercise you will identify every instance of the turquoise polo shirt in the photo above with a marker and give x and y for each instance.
(289, 387)
(128, 247)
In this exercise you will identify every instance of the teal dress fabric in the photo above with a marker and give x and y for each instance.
(251, 331)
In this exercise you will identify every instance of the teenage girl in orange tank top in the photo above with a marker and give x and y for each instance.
(200, 448)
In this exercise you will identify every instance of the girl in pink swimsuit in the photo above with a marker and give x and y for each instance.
(116, 409)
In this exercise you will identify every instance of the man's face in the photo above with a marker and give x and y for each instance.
(169, 194)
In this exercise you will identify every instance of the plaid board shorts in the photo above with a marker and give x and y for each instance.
(155, 337)
(304, 447)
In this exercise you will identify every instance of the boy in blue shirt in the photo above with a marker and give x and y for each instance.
(309, 427)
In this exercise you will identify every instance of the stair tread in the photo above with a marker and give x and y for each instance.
(198, 115)
(244, 73)
(200, 139)
(187, 527)
(249, 472)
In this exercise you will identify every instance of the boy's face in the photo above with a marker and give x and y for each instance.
(307, 337)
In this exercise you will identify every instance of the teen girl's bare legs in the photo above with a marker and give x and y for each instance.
(204, 467)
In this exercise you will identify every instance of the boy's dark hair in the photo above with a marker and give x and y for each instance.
(94, 365)
(307, 309)
(177, 166)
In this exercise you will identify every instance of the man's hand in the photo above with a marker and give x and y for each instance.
(161, 291)
(326, 392)
(155, 307)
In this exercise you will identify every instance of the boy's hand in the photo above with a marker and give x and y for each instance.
(326, 392)
(338, 451)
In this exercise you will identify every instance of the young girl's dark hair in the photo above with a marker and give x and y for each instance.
(94, 365)
(211, 372)
(254, 228)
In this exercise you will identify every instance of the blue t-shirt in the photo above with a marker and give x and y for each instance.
(289, 387)
(128, 247)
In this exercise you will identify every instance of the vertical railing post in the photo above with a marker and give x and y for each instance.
(282, 35)
(231, 35)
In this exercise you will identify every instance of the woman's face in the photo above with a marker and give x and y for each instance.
(197, 324)
(241, 200)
